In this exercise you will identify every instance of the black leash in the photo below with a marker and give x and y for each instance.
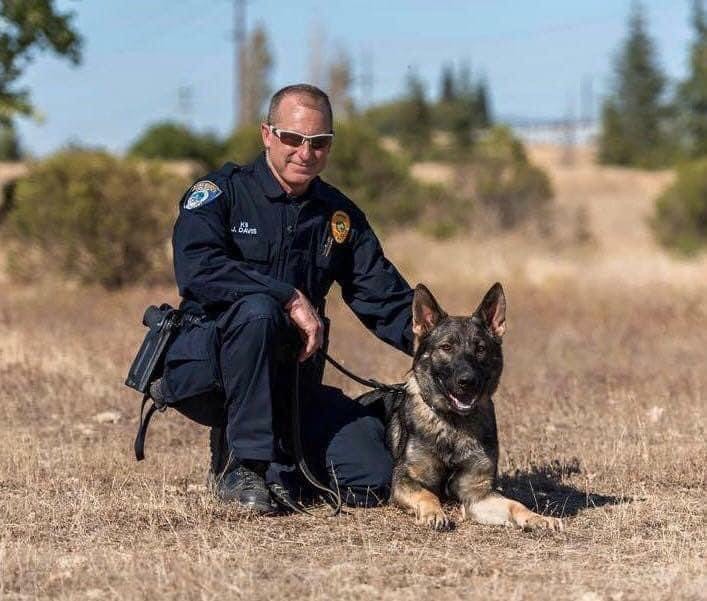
(332, 497)
(375, 384)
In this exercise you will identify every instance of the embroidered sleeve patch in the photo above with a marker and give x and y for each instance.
(202, 193)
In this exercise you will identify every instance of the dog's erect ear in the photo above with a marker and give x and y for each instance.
(492, 310)
(426, 313)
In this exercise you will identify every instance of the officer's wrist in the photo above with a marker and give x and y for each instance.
(291, 303)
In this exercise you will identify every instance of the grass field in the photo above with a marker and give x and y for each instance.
(601, 417)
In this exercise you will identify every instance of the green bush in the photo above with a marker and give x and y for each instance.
(387, 118)
(506, 183)
(680, 218)
(244, 145)
(377, 181)
(93, 217)
(169, 140)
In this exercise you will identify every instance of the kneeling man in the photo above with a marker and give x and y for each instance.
(256, 249)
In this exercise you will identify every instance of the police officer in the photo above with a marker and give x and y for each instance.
(256, 249)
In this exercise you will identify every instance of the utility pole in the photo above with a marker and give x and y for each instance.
(239, 60)
(366, 79)
(317, 42)
(185, 103)
(587, 99)
(569, 133)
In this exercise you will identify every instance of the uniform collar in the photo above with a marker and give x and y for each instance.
(272, 187)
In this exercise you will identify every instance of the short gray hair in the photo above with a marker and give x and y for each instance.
(301, 89)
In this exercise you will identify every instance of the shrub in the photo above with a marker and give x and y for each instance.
(378, 181)
(169, 140)
(244, 145)
(386, 118)
(506, 183)
(680, 218)
(94, 217)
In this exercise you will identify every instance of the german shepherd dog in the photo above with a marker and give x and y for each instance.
(442, 433)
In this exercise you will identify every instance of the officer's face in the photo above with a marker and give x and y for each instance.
(296, 167)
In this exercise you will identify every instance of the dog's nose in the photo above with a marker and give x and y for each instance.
(466, 381)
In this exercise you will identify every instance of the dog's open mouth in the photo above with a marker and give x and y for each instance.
(463, 403)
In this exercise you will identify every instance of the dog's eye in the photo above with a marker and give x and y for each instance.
(481, 350)
(446, 347)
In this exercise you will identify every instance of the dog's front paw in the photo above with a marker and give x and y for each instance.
(434, 518)
(542, 522)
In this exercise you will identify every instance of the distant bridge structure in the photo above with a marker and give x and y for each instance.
(567, 132)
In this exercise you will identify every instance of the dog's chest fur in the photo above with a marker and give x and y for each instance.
(454, 440)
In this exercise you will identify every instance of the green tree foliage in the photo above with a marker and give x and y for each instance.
(633, 114)
(385, 118)
(458, 111)
(415, 118)
(680, 219)
(483, 104)
(461, 111)
(692, 93)
(448, 92)
(244, 145)
(30, 26)
(169, 140)
(94, 217)
(9, 144)
(507, 184)
(378, 181)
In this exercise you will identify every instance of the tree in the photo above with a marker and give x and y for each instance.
(168, 140)
(447, 84)
(634, 112)
(483, 106)
(10, 149)
(692, 93)
(339, 86)
(255, 76)
(462, 107)
(614, 145)
(29, 26)
(415, 116)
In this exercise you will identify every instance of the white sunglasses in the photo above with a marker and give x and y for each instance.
(296, 139)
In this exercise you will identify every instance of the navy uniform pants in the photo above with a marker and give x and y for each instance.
(238, 370)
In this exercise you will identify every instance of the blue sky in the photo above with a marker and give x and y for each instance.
(138, 54)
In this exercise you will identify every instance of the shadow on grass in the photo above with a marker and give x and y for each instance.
(540, 489)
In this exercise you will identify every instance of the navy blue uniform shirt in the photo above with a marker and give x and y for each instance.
(238, 233)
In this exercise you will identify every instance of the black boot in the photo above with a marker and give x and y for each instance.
(243, 483)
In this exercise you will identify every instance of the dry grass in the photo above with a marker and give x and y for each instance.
(601, 418)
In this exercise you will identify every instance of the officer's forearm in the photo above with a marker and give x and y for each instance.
(223, 281)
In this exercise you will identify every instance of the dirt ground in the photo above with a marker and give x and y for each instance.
(601, 417)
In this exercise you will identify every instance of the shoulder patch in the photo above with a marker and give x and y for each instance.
(202, 193)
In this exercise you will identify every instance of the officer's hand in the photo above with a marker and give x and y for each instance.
(310, 327)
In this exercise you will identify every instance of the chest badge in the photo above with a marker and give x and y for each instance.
(340, 226)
